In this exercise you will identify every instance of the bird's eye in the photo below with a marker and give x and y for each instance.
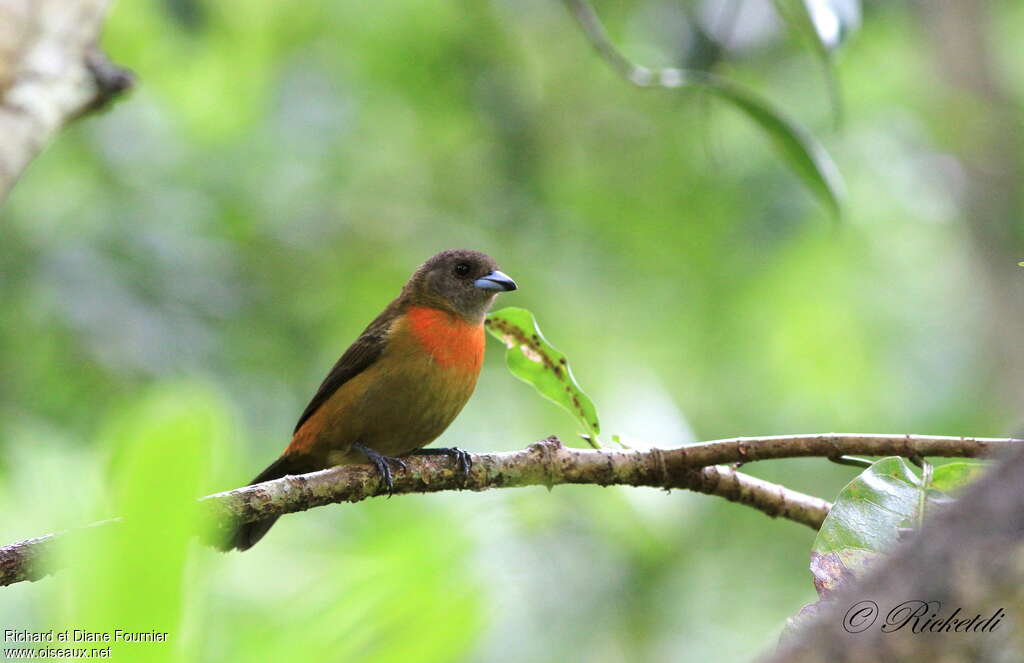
(462, 269)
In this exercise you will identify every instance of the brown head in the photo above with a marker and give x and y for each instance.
(460, 281)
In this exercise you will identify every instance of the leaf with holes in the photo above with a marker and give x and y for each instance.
(533, 360)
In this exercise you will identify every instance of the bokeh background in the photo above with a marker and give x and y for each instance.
(177, 275)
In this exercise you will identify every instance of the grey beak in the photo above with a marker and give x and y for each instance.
(495, 281)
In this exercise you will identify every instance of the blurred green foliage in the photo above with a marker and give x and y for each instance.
(177, 276)
(133, 578)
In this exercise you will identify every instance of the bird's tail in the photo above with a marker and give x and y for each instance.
(246, 535)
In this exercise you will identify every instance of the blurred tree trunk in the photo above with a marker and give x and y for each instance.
(968, 560)
(988, 139)
(50, 73)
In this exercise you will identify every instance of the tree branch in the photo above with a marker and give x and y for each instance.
(50, 73)
(546, 463)
(699, 467)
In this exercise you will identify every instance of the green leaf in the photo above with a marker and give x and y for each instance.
(825, 24)
(804, 155)
(954, 476)
(800, 19)
(868, 518)
(135, 575)
(868, 515)
(535, 361)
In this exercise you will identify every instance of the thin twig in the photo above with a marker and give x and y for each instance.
(852, 461)
(595, 33)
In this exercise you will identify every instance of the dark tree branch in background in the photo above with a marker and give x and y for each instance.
(969, 557)
(699, 467)
(51, 72)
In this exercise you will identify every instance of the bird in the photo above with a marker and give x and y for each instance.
(400, 384)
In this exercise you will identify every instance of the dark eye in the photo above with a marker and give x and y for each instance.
(462, 269)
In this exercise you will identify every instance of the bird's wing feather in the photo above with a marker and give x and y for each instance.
(360, 355)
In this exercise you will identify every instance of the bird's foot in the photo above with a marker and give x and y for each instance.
(462, 458)
(382, 463)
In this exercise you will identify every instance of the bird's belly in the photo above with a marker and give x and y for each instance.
(393, 408)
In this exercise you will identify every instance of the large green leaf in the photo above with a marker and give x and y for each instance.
(533, 360)
(868, 518)
(873, 510)
(804, 155)
(136, 576)
(801, 17)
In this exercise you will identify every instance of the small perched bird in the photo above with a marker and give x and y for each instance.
(402, 382)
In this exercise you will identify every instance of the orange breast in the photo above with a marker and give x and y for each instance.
(451, 341)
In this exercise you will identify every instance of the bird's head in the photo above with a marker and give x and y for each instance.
(461, 281)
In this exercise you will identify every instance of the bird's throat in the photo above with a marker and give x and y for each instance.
(451, 341)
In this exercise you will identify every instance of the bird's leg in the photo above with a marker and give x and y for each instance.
(462, 458)
(381, 462)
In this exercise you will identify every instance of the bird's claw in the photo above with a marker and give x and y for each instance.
(382, 464)
(463, 460)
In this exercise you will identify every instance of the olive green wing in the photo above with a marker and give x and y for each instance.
(360, 355)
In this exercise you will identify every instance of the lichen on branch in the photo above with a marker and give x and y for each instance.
(709, 468)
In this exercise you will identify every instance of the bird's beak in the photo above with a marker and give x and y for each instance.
(495, 281)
